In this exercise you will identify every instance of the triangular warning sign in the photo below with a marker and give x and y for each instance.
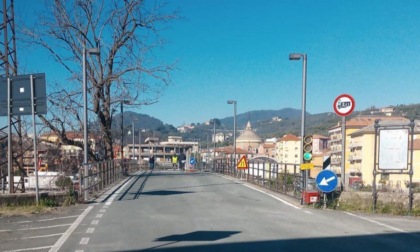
(242, 164)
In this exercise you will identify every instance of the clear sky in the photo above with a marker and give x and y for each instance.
(238, 49)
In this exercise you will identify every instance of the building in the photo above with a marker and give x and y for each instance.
(163, 151)
(362, 154)
(319, 143)
(288, 149)
(267, 149)
(249, 140)
(336, 135)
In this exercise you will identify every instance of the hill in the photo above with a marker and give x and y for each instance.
(266, 123)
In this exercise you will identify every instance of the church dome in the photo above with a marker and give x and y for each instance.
(248, 139)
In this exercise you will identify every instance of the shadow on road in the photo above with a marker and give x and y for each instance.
(395, 242)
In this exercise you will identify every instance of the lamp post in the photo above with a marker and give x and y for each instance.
(132, 124)
(122, 102)
(234, 133)
(298, 56)
(91, 51)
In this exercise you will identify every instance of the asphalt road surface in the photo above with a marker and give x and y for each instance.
(178, 211)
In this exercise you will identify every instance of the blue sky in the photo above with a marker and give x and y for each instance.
(238, 49)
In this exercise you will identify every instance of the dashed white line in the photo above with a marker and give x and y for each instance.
(94, 222)
(99, 216)
(84, 241)
(90, 230)
(102, 210)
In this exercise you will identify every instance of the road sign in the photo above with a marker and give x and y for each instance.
(307, 166)
(344, 105)
(243, 163)
(326, 181)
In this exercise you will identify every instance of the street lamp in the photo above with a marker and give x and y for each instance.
(132, 125)
(298, 56)
(234, 133)
(91, 51)
(122, 102)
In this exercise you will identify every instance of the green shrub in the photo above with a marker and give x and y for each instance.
(63, 182)
(47, 202)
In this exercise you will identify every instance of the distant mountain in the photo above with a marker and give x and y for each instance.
(145, 123)
(258, 117)
(266, 123)
(141, 121)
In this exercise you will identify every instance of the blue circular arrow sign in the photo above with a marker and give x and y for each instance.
(326, 181)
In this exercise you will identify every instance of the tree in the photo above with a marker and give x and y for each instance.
(127, 34)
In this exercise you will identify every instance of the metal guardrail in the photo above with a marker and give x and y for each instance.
(104, 174)
(281, 178)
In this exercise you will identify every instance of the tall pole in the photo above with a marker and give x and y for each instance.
(132, 122)
(85, 120)
(214, 144)
(234, 137)
(234, 133)
(122, 132)
(304, 115)
(85, 130)
(298, 56)
(343, 152)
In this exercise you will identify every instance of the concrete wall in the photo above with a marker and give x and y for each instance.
(30, 198)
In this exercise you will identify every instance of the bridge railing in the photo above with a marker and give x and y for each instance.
(102, 175)
(279, 177)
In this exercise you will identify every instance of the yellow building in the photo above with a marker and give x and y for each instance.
(361, 159)
(352, 126)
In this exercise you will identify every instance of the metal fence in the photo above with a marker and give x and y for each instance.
(102, 175)
(281, 178)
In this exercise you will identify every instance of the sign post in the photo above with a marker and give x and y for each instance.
(343, 105)
(326, 182)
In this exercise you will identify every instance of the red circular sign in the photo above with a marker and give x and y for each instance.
(344, 105)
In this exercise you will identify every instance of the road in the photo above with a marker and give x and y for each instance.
(177, 211)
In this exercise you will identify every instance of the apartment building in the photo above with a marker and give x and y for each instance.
(336, 148)
(267, 149)
(162, 150)
(288, 149)
(362, 153)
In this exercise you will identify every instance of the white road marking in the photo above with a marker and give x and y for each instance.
(275, 197)
(36, 228)
(59, 218)
(99, 216)
(28, 249)
(111, 199)
(90, 230)
(377, 222)
(84, 241)
(41, 236)
(102, 210)
(94, 222)
(70, 230)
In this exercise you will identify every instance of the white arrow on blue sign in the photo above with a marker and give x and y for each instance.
(326, 181)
